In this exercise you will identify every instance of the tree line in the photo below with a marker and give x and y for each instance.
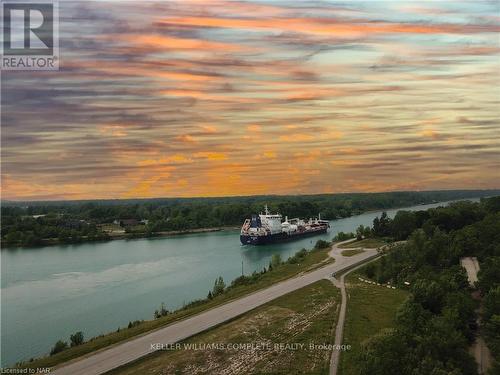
(39, 223)
(437, 324)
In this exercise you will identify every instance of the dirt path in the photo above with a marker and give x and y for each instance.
(482, 355)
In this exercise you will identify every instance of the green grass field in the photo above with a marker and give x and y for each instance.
(304, 316)
(370, 310)
(370, 243)
(313, 260)
(351, 252)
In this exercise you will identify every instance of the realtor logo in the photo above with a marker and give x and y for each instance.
(30, 35)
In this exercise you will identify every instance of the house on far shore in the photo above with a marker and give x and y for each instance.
(126, 222)
(130, 222)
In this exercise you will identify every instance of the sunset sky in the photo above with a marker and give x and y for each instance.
(199, 98)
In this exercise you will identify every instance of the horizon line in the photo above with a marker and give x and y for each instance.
(497, 189)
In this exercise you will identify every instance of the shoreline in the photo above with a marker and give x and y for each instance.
(132, 236)
(122, 236)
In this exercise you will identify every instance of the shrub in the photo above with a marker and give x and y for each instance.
(59, 346)
(321, 244)
(341, 236)
(219, 286)
(299, 255)
(135, 323)
(76, 338)
(161, 312)
(275, 261)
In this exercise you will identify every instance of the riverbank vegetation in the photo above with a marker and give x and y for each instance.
(75, 339)
(435, 326)
(278, 270)
(46, 223)
(305, 316)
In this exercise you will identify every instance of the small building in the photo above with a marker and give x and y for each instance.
(127, 222)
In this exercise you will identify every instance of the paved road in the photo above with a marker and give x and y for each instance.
(339, 330)
(108, 359)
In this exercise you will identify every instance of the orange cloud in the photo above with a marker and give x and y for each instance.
(174, 43)
(335, 134)
(203, 95)
(141, 69)
(270, 154)
(325, 26)
(254, 128)
(298, 137)
(214, 156)
(113, 130)
(429, 133)
(185, 138)
(174, 159)
(208, 129)
(315, 93)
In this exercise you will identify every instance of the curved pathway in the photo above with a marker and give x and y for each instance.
(339, 330)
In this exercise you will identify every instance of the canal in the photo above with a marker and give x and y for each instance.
(51, 292)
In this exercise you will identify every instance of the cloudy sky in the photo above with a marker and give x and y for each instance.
(199, 98)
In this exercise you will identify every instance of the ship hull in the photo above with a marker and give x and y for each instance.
(248, 239)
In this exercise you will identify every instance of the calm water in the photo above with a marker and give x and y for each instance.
(49, 293)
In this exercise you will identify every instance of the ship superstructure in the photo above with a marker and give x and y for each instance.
(269, 228)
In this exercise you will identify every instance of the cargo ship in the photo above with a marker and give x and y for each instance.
(269, 228)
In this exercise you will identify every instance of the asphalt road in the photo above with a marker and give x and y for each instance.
(120, 354)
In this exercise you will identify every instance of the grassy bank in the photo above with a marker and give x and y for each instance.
(312, 260)
(370, 243)
(370, 310)
(301, 317)
(351, 252)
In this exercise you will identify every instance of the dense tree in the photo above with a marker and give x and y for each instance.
(411, 317)
(428, 294)
(489, 283)
(492, 302)
(489, 274)
(403, 224)
(382, 226)
(362, 232)
(433, 327)
(341, 236)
